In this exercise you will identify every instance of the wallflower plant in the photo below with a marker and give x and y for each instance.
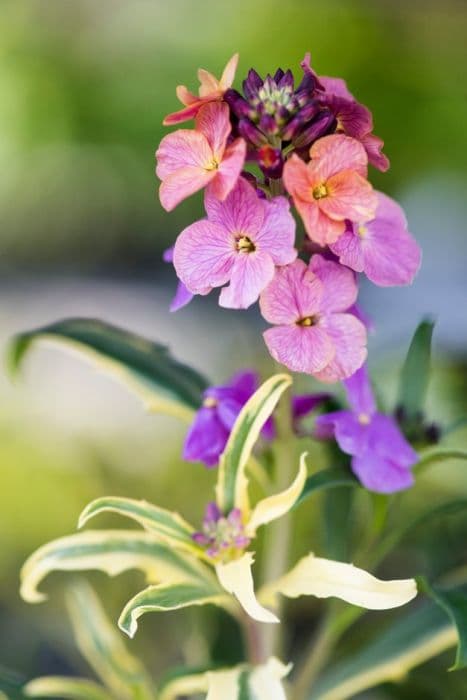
(278, 144)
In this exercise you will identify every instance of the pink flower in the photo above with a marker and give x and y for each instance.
(188, 160)
(382, 248)
(210, 90)
(241, 242)
(312, 333)
(331, 187)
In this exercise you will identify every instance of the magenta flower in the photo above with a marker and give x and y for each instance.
(382, 248)
(190, 159)
(381, 456)
(182, 295)
(313, 333)
(211, 427)
(241, 242)
(331, 188)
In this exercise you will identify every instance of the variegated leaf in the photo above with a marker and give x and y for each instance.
(66, 688)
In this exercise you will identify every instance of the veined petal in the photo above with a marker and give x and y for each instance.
(228, 74)
(297, 178)
(325, 578)
(237, 579)
(348, 336)
(276, 506)
(209, 84)
(229, 169)
(294, 293)
(183, 148)
(332, 154)
(349, 250)
(339, 286)
(277, 234)
(212, 121)
(241, 212)
(250, 274)
(319, 227)
(391, 255)
(203, 256)
(185, 96)
(301, 349)
(183, 183)
(350, 197)
(183, 115)
(373, 146)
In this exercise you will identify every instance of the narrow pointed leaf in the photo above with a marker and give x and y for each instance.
(168, 597)
(103, 648)
(438, 456)
(111, 551)
(147, 368)
(183, 683)
(232, 484)
(415, 372)
(413, 639)
(66, 688)
(453, 601)
(170, 527)
(331, 478)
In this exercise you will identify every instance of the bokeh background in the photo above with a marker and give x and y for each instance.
(84, 87)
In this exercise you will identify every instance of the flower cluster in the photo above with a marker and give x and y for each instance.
(256, 154)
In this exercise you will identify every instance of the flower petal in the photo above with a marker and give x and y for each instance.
(381, 474)
(349, 249)
(241, 212)
(332, 154)
(277, 234)
(183, 183)
(294, 293)
(206, 438)
(183, 115)
(348, 335)
(237, 579)
(229, 169)
(228, 74)
(319, 227)
(203, 256)
(359, 392)
(250, 274)
(373, 145)
(183, 148)
(213, 122)
(279, 504)
(297, 178)
(301, 349)
(325, 578)
(350, 434)
(336, 86)
(350, 197)
(339, 286)
(387, 439)
(391, 255)
(181, 298)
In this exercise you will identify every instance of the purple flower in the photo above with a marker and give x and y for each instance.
(182, 296)
(381, 456)
(213, 422)
(383, 249)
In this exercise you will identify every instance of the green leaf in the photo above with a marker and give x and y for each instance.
(66, 688)
(147, 368)
(170, 527)
(232, 483)
(415, 372)
(11, 684)
(111, 551)
(102, 646)
(453, 601)
(413, 639)
(169, 597)
(331, 478)
(439, 456)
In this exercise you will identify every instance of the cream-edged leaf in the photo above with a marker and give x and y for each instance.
(170, 527)
(111, 551)
(266, 681)
(278, 505)
(169, 597)
(185, 685)
(102, 646)
(66, 688)
(224, 685)
(237, 578)
(325, 578)
(232, 483)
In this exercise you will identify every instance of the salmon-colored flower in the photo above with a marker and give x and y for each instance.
(190, 159)
(210, 90)
(331, 188)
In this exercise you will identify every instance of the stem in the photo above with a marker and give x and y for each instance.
(253, 640)
(278, 533)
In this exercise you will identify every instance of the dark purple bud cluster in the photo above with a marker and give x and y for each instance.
(272, 114)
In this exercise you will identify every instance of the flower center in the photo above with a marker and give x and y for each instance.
(362, 231)
(245, 245)
(210, 402)
(211, 165)
(320, 191)
(223, 536)
(364, 419)
(307, 321)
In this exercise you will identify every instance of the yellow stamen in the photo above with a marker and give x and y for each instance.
(364, 419)
(307, 321)
(320, 191)
(362, 231)
(210, 402)
(245, 245)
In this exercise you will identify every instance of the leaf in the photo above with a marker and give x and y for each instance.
(11, 684)
(170, 527)
(453, 601)
(186, 682)
(415, 372)
(331, 478)
(439, 456)
(326, 578)
(147, 368)
(232, 483)
(66, 688)
(102, 646)
(168, 597)
(413, 639)
(111, 551)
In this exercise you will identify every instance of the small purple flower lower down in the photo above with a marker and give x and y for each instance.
(182, 295)
(223, 536)
(213, 422)
(381, 456)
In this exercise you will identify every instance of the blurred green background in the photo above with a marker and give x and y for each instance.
(84, 87)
